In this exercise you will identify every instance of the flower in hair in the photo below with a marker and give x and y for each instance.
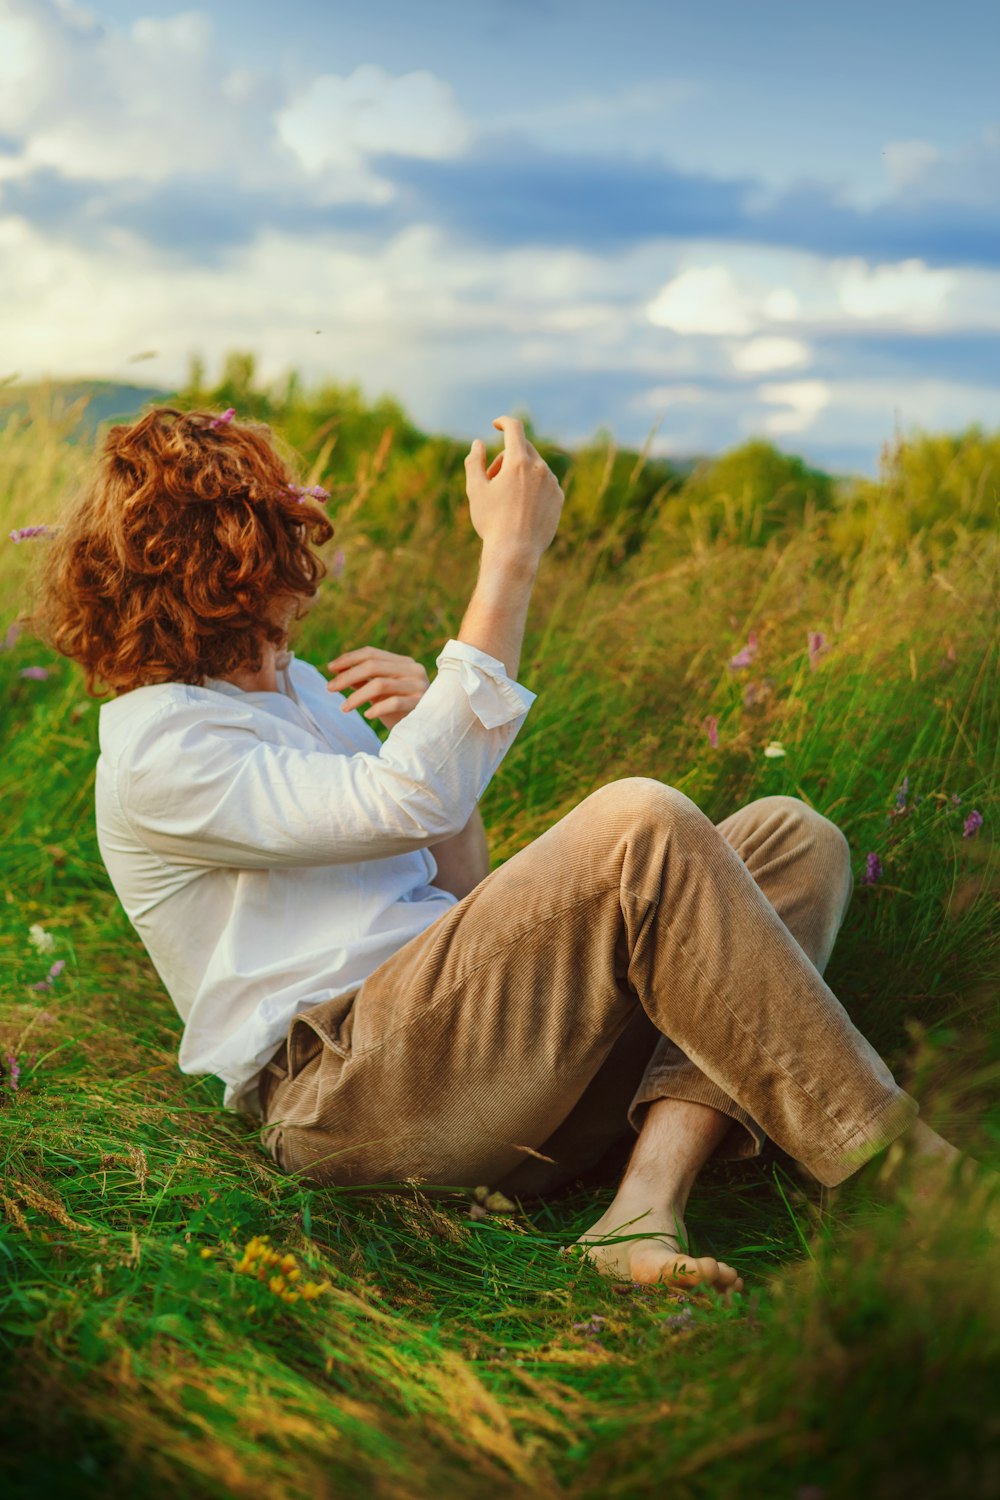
(24, 533)
(227, 416)
(317, 492)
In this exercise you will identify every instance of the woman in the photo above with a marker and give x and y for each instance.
(319, 905)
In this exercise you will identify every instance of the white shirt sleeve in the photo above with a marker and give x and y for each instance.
(201, 786)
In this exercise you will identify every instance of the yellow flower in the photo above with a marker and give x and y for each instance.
(313, 1289)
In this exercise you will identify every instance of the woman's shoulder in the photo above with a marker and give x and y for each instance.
(167, 711)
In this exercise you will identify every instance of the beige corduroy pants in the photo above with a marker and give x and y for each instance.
(634, 951)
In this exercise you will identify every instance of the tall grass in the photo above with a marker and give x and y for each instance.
(447, 1354)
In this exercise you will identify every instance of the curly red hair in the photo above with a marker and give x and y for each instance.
(186, 551)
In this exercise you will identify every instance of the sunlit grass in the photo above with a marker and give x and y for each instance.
(447, 1354)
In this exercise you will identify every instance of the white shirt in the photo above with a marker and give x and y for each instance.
(270, 850)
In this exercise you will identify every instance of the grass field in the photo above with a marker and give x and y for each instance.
(450, 1355)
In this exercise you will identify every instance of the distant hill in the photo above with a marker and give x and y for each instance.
(107, 400)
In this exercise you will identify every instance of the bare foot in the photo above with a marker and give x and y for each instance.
(656, 1255)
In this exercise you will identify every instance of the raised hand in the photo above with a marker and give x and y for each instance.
(515, 504)
(391, 683)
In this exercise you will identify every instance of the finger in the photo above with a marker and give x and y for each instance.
(351, 677)
(378, 687)
(390, 706)
(369, 660)
(475, 461)
(495, 466)
(404, 693)
(411, 678)
(346, 658)
(513, 435)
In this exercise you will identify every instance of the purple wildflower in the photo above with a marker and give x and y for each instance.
(227, 417)
(13, 1071)
(711, 728)
(873, 870)
(10, 639)
(956, 799)
(745, 657)
(53, 974)
(817, 647)
(25, 533)
(35, 674)
(972, 824)
(315, 492)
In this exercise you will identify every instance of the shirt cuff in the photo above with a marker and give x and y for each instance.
(495, 697)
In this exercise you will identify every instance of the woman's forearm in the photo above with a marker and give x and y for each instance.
(462, 860)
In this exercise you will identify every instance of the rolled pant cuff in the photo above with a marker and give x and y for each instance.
(887, 1124)
(744, 1139)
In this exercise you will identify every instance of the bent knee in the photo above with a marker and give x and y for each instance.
(820, 827)
(634, 799)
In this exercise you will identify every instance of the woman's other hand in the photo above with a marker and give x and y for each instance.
(391, 683)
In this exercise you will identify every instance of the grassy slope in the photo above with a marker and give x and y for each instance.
(460, 1356)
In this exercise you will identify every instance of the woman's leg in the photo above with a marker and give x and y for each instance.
(800, 860)
(465, 1051)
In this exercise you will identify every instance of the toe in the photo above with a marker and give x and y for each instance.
(688, 1272)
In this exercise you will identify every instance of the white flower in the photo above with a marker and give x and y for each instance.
(774, 750)
(40, 939)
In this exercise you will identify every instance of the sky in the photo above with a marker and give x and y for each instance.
(694, 224)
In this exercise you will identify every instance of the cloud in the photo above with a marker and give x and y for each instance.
(662, 396)
(967, 175)
(92, 102)
(338, 121)
(155, 132)
(704, 299)
(773, 353)
(157, 194)
(910, 292)
(804, 400)
(163, 102)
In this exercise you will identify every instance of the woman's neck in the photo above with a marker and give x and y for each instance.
(263, 681)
